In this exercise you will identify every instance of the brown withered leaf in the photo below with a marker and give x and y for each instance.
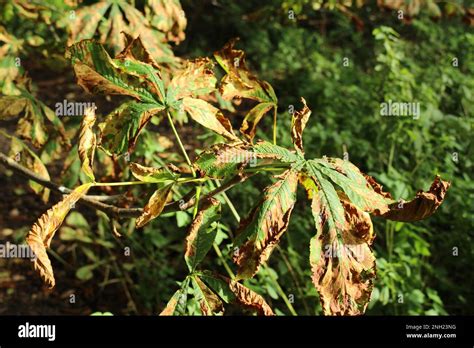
(342, 262)
(239, 82)
(422, 206)
(298, 124)
(87, 142)
(40, 236)
(266, 224)
(155, 205)
(249, 298)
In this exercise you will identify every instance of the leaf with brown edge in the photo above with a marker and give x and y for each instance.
(209, 302)
(239, 82)
(249, 298)
(195, 79)
(202, 233)
(209, 116)
(155, 205)
(266, 224)
(251, 120)
(422, 206)
(168, 17)
(233, 292)
(87, 142)
(223, 160)
(342, 262)
(177, 304)
(298, 124)
(40, 236)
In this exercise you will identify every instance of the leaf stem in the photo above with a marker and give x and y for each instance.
(183, 150)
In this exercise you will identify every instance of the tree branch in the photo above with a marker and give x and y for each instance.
(97, 202)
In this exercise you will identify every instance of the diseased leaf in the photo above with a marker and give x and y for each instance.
(168, 17)
(209, 116)
(224, 160)
(266, 224)
(251, 120)
(155, 205)
(239, 82)
(177, 304)
(209, 302)
(202, 233)
(107, 19)
(196, 78)
(249, 298)
(27, 158)
(355, 187)
(231, 291)
(342, 262)
(298, 124)
(40, 236)
(121, 128)
(264, 149)
(87, 143)
(422, 206)
(151, 175)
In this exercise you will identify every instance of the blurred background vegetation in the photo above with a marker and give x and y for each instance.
(344, 58)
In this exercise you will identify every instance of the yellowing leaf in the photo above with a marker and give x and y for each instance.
(298, 124)
(196, 78)
(151, 175)
(168, 17)
(209, 116)
(266, 224)
(40, 236)
(239, 82)
(87, 143)
(155, 205)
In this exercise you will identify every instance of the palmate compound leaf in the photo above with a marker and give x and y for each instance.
(125, 75)
(265, 225)
(239, 82)
(108, 19)
(342, 263)
(87, 142)
(202, 233)
(233, 292)
(40, 236)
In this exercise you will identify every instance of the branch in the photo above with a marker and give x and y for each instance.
(97, 202)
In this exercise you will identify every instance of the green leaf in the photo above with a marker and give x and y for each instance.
(202, 233)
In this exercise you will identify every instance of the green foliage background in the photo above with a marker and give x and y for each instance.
(424, 267)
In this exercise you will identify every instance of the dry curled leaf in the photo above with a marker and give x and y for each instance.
(422, 206)
(209, 302)
(40, 236)
(155, 205)
(298, 124)
(87, 142)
